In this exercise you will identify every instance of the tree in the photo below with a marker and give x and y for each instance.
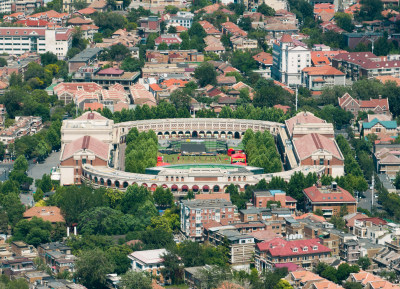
(197, 30)
(119, 256)
(132, 64)
(370, 9)
(266, 10)
(21, 164)
(38, 195)
(45, 183)
(283, 284)
(245, 23)
(108, 22)
(118, 52)
(171, 30)
(243, 60)
(79, 4)
(105, 221)
(180, 99)
(3, 62)
(171, 9)
(136, 280)
(162, 46)
(352, 285)
(34, 231)
(396, 181)
(344, 21)
(163, 197)
(205, 74)
(172, 267)
(364, 262)
(48, 58)
(92, 267)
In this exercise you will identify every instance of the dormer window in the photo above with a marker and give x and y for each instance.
(315, 248)
(295, 249)
(305, 248)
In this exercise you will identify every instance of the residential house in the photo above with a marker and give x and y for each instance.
(264, 61)
(233, 29)
(290, 57)
(380, 128)
(87, 57)
(141, 96)
(182, 18)
(24, 125)
(196, 213)
(240, 246)
(213, 44)
(350, 252)
(168, 39)
(149, 25)
(243, 43)
(329, 199)
(51, 214)
(262, 198)
(359, 65)
(149, 261)
(17, 267)
(316, 78)
(22, 249)
(387, 160)
(210, 29)
(378, 105)
(301, 252)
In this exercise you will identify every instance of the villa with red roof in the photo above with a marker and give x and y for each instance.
(329, 199)
(378, 105)
(303, 253)
(316, 78)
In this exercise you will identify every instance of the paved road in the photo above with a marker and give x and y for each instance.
(36, 171)
(365, 203)
(121, 156)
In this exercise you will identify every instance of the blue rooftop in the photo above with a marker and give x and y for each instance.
(273, 192)
(390, 124)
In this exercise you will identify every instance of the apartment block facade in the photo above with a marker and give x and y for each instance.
(196, 213)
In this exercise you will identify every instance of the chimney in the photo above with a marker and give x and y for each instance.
(249, 205)
(380, 96)
(334, 186)
(319, 184)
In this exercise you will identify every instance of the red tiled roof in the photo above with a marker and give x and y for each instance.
(111, 70)
(286, 38)
(285, 108)
(87, 11)
(86, 143)
(213, 196)
(375, 221)
(282, 248)
(308, 144)
(120, 106)
(50, 214)
(372, 103)
(302, 118)
(290, 199)
(264, 58)
(324, 70)
(155, 87)
(93, 106)
(79, 20)
(94, 115)
(33, 23)
(325, 195)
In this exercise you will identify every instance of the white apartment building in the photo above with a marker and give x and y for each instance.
(290, 57)
(5, 6)
(182, 18)
(18, 40)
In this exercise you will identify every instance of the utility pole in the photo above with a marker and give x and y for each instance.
(372, 191)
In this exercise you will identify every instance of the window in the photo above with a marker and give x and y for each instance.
(315, 248)
(321, 162)
(305, 248)
(295, 249)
